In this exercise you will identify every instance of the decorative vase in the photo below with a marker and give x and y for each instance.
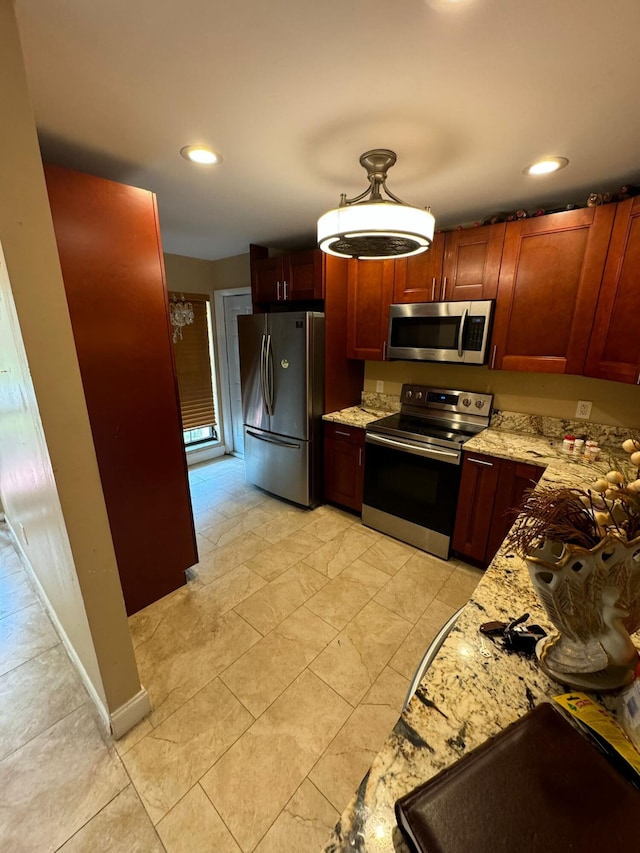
(593, 599)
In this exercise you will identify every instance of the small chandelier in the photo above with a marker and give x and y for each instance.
(181, 314)
(375, 228)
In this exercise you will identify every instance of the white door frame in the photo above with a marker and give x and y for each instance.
(221, 346)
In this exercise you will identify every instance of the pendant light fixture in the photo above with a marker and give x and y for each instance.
(371, 227)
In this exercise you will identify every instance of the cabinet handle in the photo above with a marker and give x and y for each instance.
(384, 350)
(285, 290)
(638, 379)
(480, 462)
(278, 291)
(444, 288)
(338, 432)
(493, 357)
(433, 289)
(359, 457)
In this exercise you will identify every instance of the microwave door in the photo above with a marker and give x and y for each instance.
(436, 333)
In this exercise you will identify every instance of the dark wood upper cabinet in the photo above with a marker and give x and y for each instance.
(370, 293)
(460, 265)
(614, 349)
(111, 257)
(419, 278)
(287, 278)
(548, 288)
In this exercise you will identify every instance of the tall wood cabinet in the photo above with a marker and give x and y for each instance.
(370, 293)
(614, 349)
(460, 265)
(548, 290)
(109, 245)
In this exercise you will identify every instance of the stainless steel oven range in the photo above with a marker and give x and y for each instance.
(413, 464)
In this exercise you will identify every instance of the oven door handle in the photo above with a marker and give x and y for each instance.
(451, 457)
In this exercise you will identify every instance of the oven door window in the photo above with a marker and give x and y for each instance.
(421, 490)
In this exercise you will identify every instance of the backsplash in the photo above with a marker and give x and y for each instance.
(557, 428)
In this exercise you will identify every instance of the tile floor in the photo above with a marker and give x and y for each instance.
(275, 675)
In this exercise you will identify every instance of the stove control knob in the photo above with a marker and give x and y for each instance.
(418, 395)
(466, 402)
(479, 404)
(409, 395)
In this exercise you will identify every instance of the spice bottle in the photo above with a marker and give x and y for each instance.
(567, 443)
(587, 449)
(578, 447)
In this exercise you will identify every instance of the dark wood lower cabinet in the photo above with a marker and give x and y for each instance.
(491, 490)
(343, 465)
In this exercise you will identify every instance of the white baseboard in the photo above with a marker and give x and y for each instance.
(128, 715)
(123, 718)
(203, 454)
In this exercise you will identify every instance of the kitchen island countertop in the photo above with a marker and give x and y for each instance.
(473, 689)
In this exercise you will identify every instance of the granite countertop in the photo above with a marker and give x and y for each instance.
(473, 689)
(356, 416)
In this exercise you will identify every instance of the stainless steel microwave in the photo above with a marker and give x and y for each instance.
(453, 332)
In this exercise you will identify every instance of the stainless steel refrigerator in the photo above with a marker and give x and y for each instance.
(282, 378)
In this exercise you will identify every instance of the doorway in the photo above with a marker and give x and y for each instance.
(229, 304)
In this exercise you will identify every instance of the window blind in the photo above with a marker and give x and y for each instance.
(193, 366)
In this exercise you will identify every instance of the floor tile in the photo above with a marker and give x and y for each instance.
(262, 673)
(304, 824)
(15, 593)
(123, 824)
(194, 826)
(24, 635)
(184, 654)
(10, 562)
(286, 522)
(203, 545)
(388, 555)
(277, 558)
(412, 650)
(340, 769)
(23, 713)
(225, 529)
(328, 525)
(256, 778)
(166, 763)
(460, 586)
(390, 689)
(57, 782)
(270, 605)
(339, 601)
(226, 557)
(356, 657)
(415, 586)
(341, 551)
(133, 736)
(229, 590)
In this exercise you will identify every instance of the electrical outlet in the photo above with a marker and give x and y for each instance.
(379, 386)
(583, 409)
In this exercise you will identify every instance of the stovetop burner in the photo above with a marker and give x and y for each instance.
(436, 416)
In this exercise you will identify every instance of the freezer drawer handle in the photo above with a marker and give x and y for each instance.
(273, 440)
(451, 458)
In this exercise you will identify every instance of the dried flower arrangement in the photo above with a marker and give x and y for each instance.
(581, 517)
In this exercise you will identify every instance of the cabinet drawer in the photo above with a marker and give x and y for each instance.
(340, 432)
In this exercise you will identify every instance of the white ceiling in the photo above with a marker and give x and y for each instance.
(291, 92)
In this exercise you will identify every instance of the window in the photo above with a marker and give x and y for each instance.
(193, 354)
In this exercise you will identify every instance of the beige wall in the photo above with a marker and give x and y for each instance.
(197, 276)
(49, 481)
(533, 393)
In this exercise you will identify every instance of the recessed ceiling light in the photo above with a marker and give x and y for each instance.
(546, 166)
(201, 154)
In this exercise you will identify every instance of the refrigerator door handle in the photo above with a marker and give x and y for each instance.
(269, 376)
(263, 391)
(273, 440)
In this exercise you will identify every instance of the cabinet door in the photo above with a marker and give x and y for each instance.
(266, 281)
(614, 349)
(515, 479)
(472, 263)
(370, 291)
(548, 288)
(111, 257)
(419, 278)
(302, 276)
(475, 505)
(344, 465)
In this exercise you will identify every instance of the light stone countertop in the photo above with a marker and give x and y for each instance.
(473, 689)
(356, 416)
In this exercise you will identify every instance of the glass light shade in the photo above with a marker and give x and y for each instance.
(352, 230)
